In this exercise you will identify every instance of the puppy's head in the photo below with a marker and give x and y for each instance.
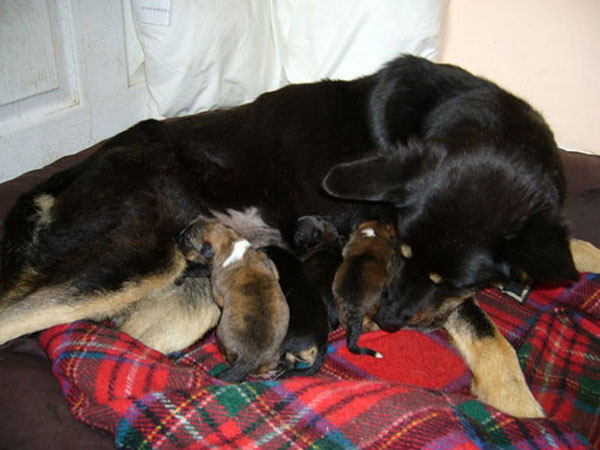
(373, 228)
(464, 221)
(314, 231)
(203, 241)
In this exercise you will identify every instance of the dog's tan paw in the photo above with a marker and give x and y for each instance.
(511, 397)
(497, 377)
(585, 255)
(499, 381)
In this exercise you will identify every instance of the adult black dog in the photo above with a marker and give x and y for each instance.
(470, 173)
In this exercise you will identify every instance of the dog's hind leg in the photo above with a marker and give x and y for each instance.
(64, 303)
(497, 377)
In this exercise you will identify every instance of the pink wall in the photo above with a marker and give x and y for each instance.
(546, 51)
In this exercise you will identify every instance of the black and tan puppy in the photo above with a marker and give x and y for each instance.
(306, 338)
(319, 246)
(368, 266)
(255, 314)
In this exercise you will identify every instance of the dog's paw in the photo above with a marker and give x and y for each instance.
(499, 381)
(510, 396)
(585, 256)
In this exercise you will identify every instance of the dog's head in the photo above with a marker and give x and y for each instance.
(465, 221)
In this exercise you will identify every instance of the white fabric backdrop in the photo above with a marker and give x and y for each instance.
(220, 53)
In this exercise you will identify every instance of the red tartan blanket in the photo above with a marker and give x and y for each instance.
(417, 396)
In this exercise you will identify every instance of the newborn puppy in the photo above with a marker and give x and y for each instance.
(306, 338)
(320, 249)
(255, 314)
(368, 266)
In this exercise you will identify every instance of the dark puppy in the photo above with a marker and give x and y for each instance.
(368, 267)
(319, 246)
(306, 338)
(244, 283)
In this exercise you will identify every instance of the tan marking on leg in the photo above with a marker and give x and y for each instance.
(369, 325)
(497, 377)
(44, 203)
(585, 255)
(63, 303)
(308, 356)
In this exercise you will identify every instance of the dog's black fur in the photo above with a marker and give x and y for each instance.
(475, 178)
(319, 246)
(308, 328)
(471, 172)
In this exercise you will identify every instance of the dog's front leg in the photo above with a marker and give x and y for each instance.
(497, 377)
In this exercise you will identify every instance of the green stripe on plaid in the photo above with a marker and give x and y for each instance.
(236, 397)
(480, 418)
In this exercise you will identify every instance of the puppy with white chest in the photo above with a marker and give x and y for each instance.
(367, 268)
(244, 283)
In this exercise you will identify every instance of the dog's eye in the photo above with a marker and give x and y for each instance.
(435, 278)
(406, 251)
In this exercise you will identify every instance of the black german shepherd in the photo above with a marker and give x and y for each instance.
(469, 173)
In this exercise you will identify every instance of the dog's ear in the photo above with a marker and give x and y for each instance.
(391, 177)
(541, 251)
(376, 179)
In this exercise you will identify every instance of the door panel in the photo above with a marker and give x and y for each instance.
(65, 78)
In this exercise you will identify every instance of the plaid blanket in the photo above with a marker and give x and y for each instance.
(417, 396)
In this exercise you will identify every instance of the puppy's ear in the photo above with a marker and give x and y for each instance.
(273, 268)
(388, 178)
(541, 250)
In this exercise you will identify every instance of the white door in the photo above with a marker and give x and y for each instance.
(71, 74)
